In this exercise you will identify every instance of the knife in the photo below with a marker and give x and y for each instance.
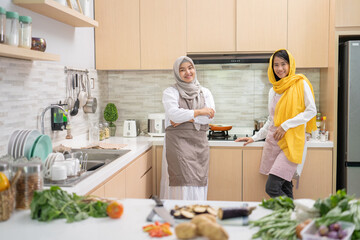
(161, 211)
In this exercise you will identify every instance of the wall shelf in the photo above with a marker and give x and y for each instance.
(57, 11)
(23, 53)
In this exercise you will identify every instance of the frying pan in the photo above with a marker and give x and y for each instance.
(219, 127)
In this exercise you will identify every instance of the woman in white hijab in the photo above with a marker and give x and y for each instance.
(189, 108)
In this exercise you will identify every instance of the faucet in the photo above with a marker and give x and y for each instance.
(43, 114)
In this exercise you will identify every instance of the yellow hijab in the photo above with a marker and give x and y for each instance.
(291, 104)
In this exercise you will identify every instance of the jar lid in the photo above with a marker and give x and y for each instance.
(2, 10)
(4, 166)
(25, 19)
(27, 167)
(12, 15)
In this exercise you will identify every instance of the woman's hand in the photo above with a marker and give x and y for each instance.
(204, 111)
(279, 133)
(245, 139)
(174, 124)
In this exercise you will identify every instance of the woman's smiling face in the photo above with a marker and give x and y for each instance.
(281, 67)
(187, 72)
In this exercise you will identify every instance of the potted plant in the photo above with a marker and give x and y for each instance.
(111, 115)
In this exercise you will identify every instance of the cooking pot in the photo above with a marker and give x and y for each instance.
(219, 127)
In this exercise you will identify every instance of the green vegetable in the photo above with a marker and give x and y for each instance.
(277, 225)
(281, 202)
(56, 203)
(340, 199)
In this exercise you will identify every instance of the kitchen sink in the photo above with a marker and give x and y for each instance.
(97, 158)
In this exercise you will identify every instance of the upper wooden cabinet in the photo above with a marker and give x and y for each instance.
(308, 32)
(261, 26)
(347, 13)
(211, 25)
(117, 39)
(163, 32)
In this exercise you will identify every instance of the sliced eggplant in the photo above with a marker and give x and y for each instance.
(199, 209)
(177, 214)
(211, 211)
(187, 214)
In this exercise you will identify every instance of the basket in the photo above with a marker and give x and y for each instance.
(7, 199)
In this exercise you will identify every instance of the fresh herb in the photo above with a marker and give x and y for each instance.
(281, 202)
(56, 203)
(277, 225)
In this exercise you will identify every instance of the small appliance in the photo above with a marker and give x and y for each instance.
(131, 128)
(156, 124)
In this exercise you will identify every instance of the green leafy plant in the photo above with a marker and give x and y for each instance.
(111, 114)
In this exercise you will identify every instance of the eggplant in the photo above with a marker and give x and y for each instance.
(225, 213)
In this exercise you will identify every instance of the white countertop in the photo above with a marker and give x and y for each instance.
(129, 227)
(138, 146)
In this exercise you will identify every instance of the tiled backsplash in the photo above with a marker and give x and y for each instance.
(240, 92)
(26, 88)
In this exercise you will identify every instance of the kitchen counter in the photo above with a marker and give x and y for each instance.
(20, 226)
(138, 146)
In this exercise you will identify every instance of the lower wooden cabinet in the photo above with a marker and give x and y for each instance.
(225, 174)
(315, 181)
(134, 181)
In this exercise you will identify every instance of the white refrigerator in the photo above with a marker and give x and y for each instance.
(348, 147)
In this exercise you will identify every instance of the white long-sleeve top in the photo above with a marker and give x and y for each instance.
(179, 115)
(301, 118)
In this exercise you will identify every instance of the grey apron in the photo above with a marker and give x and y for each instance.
(187, 151)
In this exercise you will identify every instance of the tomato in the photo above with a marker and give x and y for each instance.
(4, 182)
(115, 209)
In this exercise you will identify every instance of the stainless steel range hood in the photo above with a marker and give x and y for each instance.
(230, 58)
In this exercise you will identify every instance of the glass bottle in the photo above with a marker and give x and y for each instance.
(25, 32)
(5, 168)
(94, 134)
(101, 132)
(323, 130)
(31, 179)
(2, 24)
(107, 130)
(318, 120)
(12, 29)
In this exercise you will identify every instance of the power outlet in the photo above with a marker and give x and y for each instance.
(92, 83)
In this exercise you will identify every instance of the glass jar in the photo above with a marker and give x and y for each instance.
(31, 179)
(2, 24)
(25, 32)
(5, 168)
(107, 130)
(93, 133)
(101, 132)
(12, 29)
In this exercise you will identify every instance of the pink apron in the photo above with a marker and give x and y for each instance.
(273, 160)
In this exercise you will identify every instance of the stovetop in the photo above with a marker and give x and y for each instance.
(224, 136)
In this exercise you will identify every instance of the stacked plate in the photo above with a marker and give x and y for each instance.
(29, 143)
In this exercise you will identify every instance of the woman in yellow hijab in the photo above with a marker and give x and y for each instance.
(292, 112)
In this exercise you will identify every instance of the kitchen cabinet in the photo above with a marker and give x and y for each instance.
(225, 174)
(139, 177)
(134, 181)
(315, 181)
(347, 13)
(210, 25)
(117, 39)
(261, 26)
(308, 32)
(27, 54)
(163, 32)
(57, 11)
(157, 175)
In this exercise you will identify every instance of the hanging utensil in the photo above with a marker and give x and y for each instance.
(69, 100)
(91, 103)
(75, 110)
(83, 95)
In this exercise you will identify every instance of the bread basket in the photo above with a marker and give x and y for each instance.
(7, 199)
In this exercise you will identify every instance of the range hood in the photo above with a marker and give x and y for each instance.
(230, 58)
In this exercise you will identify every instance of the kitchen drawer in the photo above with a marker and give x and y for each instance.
(140, 166)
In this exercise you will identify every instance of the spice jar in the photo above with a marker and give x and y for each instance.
(2, 24)
(25, 32)
(12, 28)
(101, 132)
(31, 179)
(107, 130)
(4, 167)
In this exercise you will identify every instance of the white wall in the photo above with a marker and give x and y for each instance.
(74, 45)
